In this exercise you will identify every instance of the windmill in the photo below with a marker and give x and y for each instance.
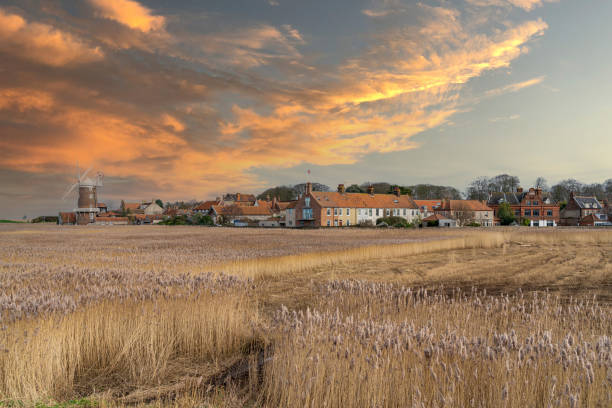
(88, 196)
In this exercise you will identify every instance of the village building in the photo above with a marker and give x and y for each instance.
(577, 208)
(152, 209)
(240, 214)
(239, 199)
(438, 220)
(595, 220)
(342, 209)
(467, 212)
(102, 208)
(534, 205)
(428, 207)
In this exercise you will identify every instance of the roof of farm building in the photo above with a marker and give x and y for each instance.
(429, 204)
(435, 217)
(464, 205)
(362, 200)
(206, 205)
(240, 210)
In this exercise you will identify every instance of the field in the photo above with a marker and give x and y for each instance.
(195, 316)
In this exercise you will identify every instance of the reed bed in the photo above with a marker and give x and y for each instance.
(130, 350)
(192, 316)
(379, 345)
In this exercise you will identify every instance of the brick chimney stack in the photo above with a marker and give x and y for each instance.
(371, 190)
(237, 196)
(341, 188)
(308, 188)
(397, 191)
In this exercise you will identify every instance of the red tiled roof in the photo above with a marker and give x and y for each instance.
(206, 205)
(131, 206)
(435, 217)
(464, 205)
(240, 210)
(362, 200)
(429, 204)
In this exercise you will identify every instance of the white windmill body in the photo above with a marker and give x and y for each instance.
(88, 197)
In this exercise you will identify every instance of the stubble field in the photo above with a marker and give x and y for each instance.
(189, 316)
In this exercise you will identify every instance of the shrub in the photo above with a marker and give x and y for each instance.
(472, 224)
(394, 222)
(525, 222)
(435, 223)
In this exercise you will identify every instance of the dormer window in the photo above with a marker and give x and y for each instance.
(307, 201)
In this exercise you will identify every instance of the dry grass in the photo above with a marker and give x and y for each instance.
(191, 316)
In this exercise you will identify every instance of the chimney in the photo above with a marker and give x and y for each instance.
(371, 190)
(519, 189)
(397, 191)
(308, 188)
(571, 195)
(539, 191)
(341, 188)
(237, 196)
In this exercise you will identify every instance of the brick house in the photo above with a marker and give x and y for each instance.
(342, 209)
(466, 212)
(534, 205)
(579, 207)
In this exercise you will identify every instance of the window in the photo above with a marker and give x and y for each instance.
(348, 211)
(335, 223)
(307, 213)
(517, 213)
(329, 211)
(394, 211)
(404, 211)
(335, 211)
(370, 212)
(535, 203)
(528, 202)
(307, 201)
(536, 213)
(388, 212)
(550, 223)
(549, 213)
(377, 212)
(328, 223)
(527, 212)
(339, 211)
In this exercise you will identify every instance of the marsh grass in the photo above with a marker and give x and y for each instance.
(174, 317)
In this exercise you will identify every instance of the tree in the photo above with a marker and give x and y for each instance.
(379, 187)
(478, 189)
(159, 202)
(465, 217)
(301, 188)
(505, 214)
(540, 182)
(354, 188)
(282, 193)
(504, 183)
(433, 192)
(562, 190)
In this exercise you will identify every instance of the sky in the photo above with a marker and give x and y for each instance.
(184, 100)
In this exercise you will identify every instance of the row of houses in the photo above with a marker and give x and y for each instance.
(318, 209)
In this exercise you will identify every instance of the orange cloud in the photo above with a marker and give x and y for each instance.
(515, 87)
(526, 5)
(43, 43)
(25, 99)
(129, 13)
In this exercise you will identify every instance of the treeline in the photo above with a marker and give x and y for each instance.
(418, 191)
(480, 187)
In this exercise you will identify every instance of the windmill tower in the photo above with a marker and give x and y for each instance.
(88, 197)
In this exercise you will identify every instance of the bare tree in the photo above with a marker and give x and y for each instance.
(464, 217)
(478, 189)
(541, 182)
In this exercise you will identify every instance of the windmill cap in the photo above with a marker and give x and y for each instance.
(87, 182)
